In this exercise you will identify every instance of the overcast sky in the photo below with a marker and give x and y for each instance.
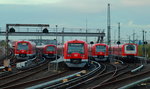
(134, 15)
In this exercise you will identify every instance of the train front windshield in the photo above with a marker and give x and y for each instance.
(50, 48)
(23, 46)
(75, 48)
(100, 48)
(130, 47)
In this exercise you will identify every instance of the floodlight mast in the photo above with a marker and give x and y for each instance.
(6, 61)
(109, 32)
(119, 31)
(108, 26)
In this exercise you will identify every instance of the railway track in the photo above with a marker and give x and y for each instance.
(12, 78)
(71, 81)
(50, 78)
(108, 72)
(102, 70)
(115, 81)
(16, 67)
(105, 77)
(123, 81)
(31, 77)
(35, 81)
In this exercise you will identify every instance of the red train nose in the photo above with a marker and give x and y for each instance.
(76, 55)
(23, 51)
(49, 52)
(101, 53)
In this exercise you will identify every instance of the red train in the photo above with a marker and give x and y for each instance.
(128, 51)
(24, 50)
(49, 51)
(100, 52)
(76, 53)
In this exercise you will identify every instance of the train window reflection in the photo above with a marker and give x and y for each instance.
(130, 47)
(100, 48)
(50, 48)
(75, 48)
(23, 46)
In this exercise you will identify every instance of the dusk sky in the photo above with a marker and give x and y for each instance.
(134, 15)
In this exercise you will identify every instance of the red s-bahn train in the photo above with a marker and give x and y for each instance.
(100, 52)
(24, 50)
(128, 51)
(76, 53)
(49, 51)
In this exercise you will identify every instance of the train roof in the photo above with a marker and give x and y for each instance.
(76, 41)
(26, 42)
(43, 46)
(123, 45)
(130, 44)
(100, 44)
(50, 45)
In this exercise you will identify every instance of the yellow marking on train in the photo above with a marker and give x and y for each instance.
(65, 80)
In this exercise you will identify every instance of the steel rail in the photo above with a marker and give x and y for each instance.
(108, 79)
(120, 80)
(134, 83)
(77, 79)
(20, 77)
(73, 78)
(88, 80)
(32, 81)
(21, 72)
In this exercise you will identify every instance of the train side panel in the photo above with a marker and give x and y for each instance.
(128, 51)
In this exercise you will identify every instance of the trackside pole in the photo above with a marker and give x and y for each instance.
(7, 61)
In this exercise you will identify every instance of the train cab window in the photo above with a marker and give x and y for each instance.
(130, 47)
(75, 48)
(22, 46)
(50, 48)
(100, 48)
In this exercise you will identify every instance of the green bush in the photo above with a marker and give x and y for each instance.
(2, 43)
(141, 50)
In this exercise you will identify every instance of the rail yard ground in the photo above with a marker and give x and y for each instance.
(112, 73)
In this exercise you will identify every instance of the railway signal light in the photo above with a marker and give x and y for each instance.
(118, 42)
(145, 42)
(91, 42)
(11, 30)
(45, 30)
